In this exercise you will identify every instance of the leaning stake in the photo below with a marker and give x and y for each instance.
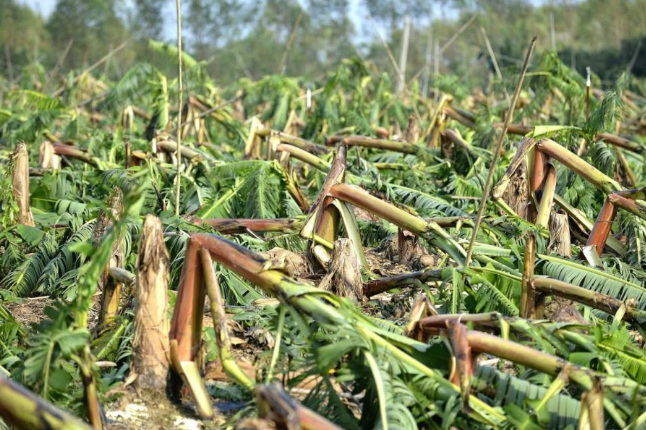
(496, 153)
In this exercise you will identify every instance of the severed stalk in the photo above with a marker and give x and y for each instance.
(150, 347)
(47, 158)
(20, 184)
(496, 154)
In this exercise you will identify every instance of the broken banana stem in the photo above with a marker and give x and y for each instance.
(523, 151)
(528, 295)
(416, 225)
(579, 166)
(220, 324)
(21, 408)
(601, 229)
(586, 225)
(276, 405)
(454, 137)
(547, 200)
(121, 275)
(75, 152)
(304, 156)
(620, 142)
(431, 324)
(20, 184)
(387, 145)
(298, 142)
(335, 175)
(170, 147)
(372, 288)
(460, 116)
(186, 328)
(242, 225)
(613, 139)
(587, 297)
(541, 361)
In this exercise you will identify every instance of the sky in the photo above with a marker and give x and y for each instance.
(46, 7)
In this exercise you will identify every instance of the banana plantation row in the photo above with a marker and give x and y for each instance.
(336, 255)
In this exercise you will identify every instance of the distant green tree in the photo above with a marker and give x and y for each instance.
(148, 21)
(93, 25)
(22, 37)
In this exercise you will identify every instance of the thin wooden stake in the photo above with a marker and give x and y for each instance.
(496, 153)
(404, 56)
(178, 153)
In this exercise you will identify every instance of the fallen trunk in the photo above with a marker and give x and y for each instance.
(24, 410)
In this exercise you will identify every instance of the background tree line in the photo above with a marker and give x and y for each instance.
(239, 38)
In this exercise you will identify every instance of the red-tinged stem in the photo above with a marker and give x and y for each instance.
(545, 207)
(626, 203)
(538, 171)
(186, 325)
(601, 229)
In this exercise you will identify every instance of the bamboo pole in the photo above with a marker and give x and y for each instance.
(178, 153)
